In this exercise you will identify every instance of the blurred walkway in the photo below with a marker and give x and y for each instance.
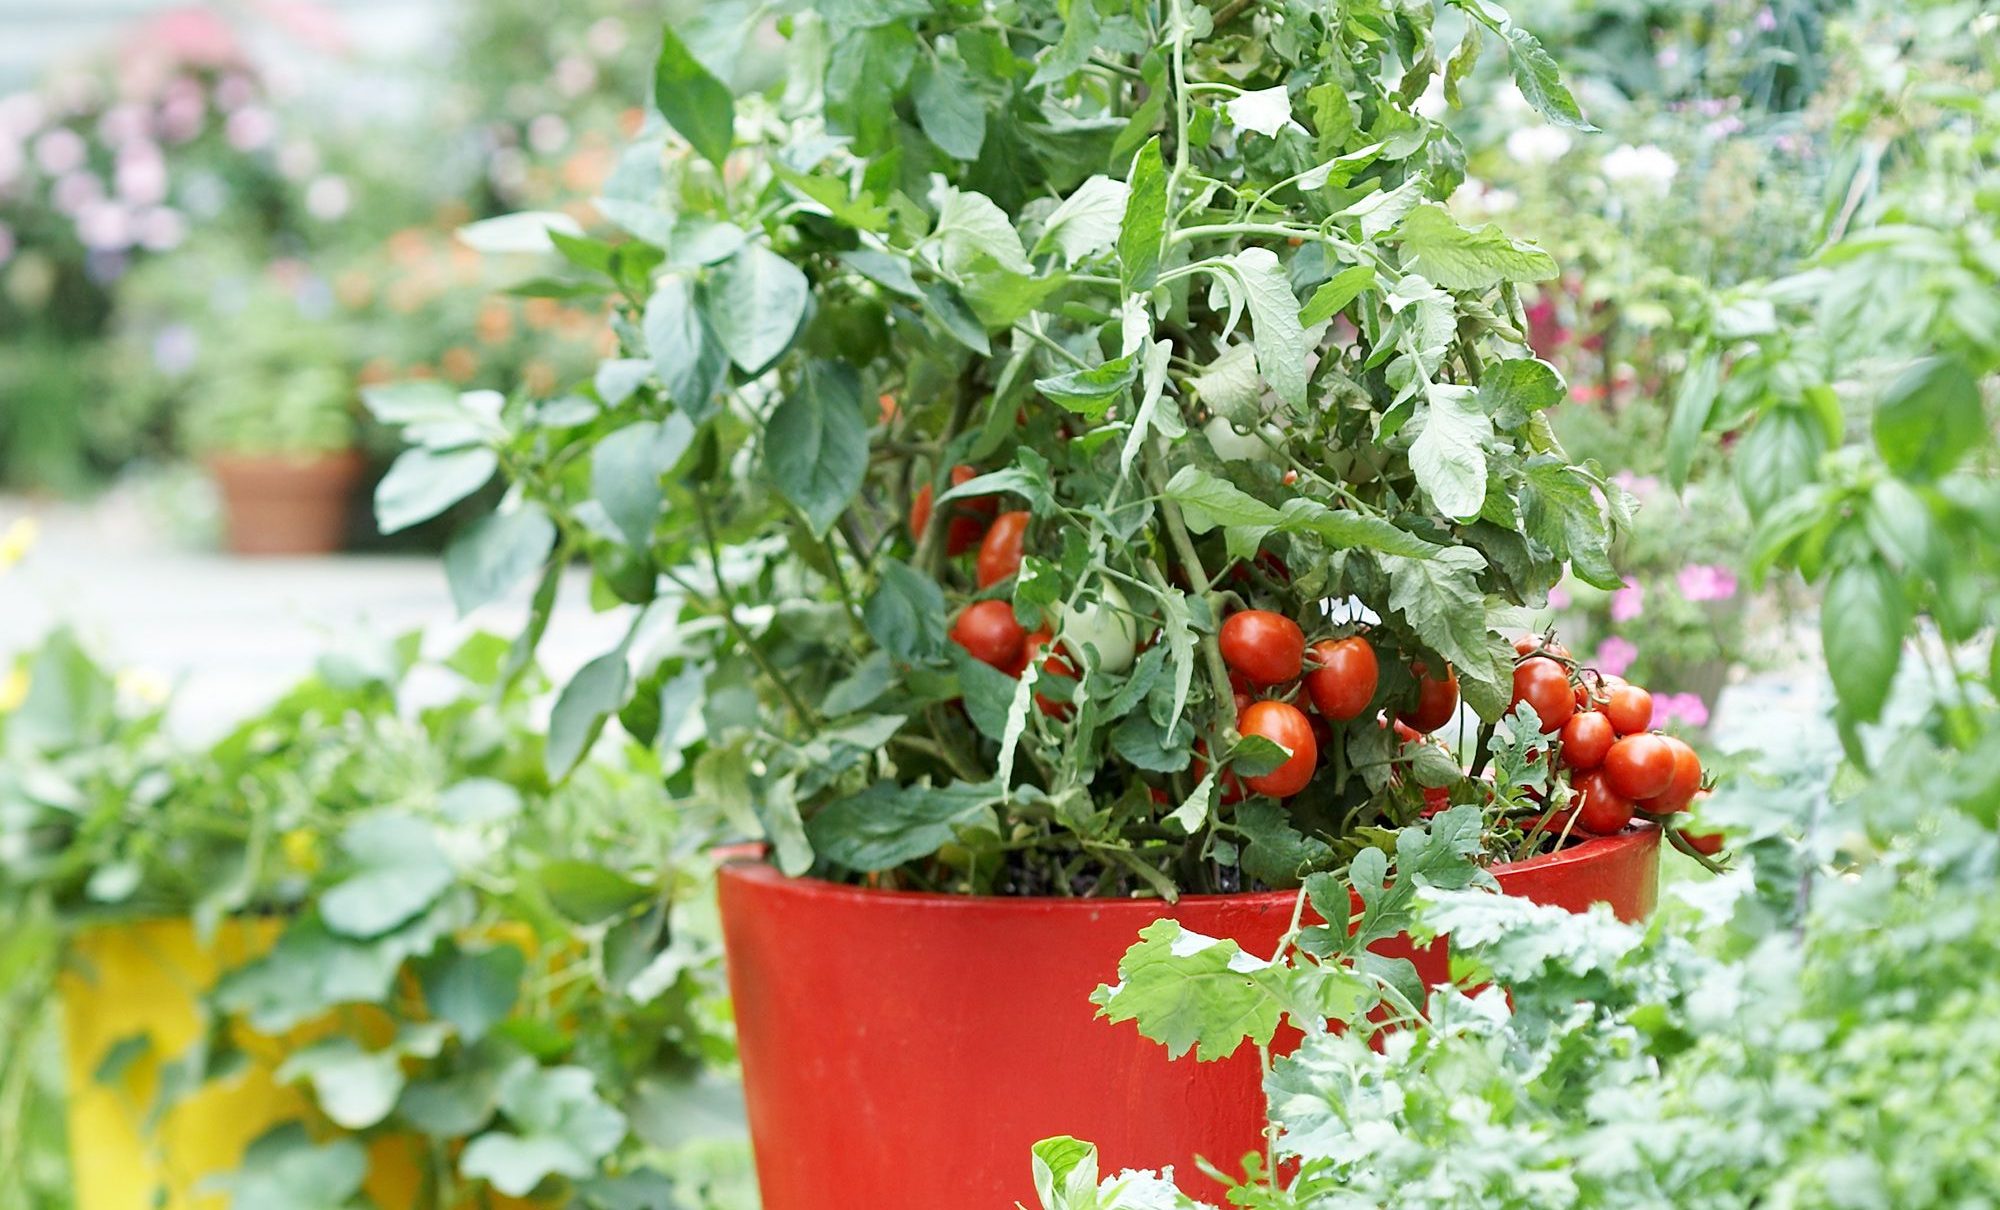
(234, 633)
(231, 634)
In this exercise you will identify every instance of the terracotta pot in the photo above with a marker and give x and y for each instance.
(279, 504)
(903, 1051)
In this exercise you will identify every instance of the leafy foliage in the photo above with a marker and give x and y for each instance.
(1060, 250)
(523, 1024)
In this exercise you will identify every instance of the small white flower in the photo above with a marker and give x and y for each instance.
(21, 114)
(1538, 144)
(575, 75)
(161, 229)
(1645, 166)
(104, 226)
(298, 159)
(328, 198)
(606, 37)
(547, 133)
(251, 127)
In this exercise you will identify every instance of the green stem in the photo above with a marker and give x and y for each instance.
(1211, 648)
(728, 601)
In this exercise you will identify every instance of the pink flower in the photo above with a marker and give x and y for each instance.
(1559, 598)
(142, 175)
(161, 229)
(192, 35)
(182, 113)
(1641, 486)
(125, 122)
(1766, 19)
(234, 91)
(1615, 654)
(104, 226)
(21, 114)
(251, 127)
(75, 191)
(547, 133)
(1628, 602)
(1706, 582)
(60, 150)
(1687, 707)
(575, 75)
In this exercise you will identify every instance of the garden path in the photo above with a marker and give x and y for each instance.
(231, 634)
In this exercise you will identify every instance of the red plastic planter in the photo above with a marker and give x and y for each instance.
(903, 1051)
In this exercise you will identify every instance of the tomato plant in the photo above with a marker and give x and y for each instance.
(1170, 310)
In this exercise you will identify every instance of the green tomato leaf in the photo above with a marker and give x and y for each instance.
(949, 108)
(887, 824)
(973, 231)
(1144, 225)
(422, 483)
(1282, 347)
(355, 1088)
(905, 615)
(625, 471)
(693, 102)
(1335, 293)
(755, 302)
(593, 695)
(1274, 852)
(1343, 529)
(1459, 258)
(816, 444)
(1087, 222)
(1091, 392)
(687, 354)
(1207, 502)
(1449, 454)
(1540, 80)
(495, 553)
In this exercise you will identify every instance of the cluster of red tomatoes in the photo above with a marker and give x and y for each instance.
(1617, 765)
(987, 629)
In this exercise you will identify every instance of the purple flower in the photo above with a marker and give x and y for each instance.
(1687, 707)
(1615, 654)
(1559, 598)
(1706, 582)
(1766, 19)
(60, 151)
(1628, 602)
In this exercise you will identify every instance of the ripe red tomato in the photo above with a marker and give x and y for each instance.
(1285, 725)
(1437, 701)
(1587, 736)
(1639, 766)
(1600, 809)
(988, 630)
(1544, 685)
(1039, 646)
(968, 520)
(1262, 647)
(1000, 550)
(1629, 708)
(1532, 644)
(1342, 683)
(1686, 782)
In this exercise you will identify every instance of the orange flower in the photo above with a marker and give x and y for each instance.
(539, 377)
(376, 369)
(459, 363)
(541, 312)
(406, 247)
(496, 322)
(631, 120)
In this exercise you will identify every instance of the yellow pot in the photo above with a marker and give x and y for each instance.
(145, 978)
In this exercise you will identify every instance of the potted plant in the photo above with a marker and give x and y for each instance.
(359, 950)
(268, 408)
(1071, 469)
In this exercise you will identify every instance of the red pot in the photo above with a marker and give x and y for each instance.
(282, 504)
(903, 1051)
